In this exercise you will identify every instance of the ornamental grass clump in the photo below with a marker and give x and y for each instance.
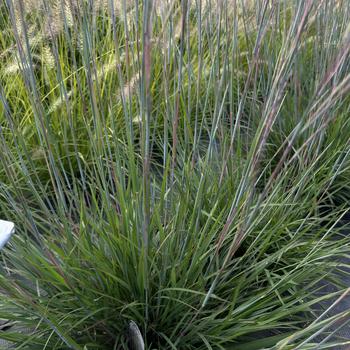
(178, 172)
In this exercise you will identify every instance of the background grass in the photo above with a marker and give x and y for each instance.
(177, 166)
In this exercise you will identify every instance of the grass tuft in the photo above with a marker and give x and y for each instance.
(178, 172)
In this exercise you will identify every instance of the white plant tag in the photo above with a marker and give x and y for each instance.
(7, 228)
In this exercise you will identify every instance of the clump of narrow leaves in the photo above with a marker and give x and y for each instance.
(178, 173)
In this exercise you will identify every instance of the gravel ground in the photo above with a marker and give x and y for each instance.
(342, 329)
